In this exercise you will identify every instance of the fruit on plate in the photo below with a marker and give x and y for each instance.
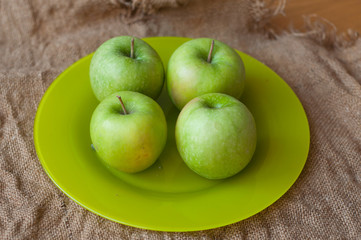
(216, 135)
(126, 64)
(128, 131)
(203, 66)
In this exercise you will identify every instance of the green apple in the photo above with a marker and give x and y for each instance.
(128, 131)
(126, 64)
(203, 66)
(216, 135)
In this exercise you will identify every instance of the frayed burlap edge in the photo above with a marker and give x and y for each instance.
(317, 29)
(146, 7)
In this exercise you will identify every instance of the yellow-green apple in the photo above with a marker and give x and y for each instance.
(203, 66)
(216, 135)
(128, 131)
(126, 64)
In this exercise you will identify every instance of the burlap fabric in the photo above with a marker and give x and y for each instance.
(39, 39)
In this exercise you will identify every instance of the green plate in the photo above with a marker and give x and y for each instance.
(168, 196)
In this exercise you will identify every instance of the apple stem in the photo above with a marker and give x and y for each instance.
(132, 48)
(123, 107)
(210, 52)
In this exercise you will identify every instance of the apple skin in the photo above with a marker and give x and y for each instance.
(216, 135)
(132, 142)
(190, 75)
(112, 69)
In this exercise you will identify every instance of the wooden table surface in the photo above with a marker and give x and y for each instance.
(344, 14)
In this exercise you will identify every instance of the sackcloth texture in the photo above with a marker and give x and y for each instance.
(40, 39)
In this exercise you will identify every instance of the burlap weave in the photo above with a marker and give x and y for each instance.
(39, 39)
